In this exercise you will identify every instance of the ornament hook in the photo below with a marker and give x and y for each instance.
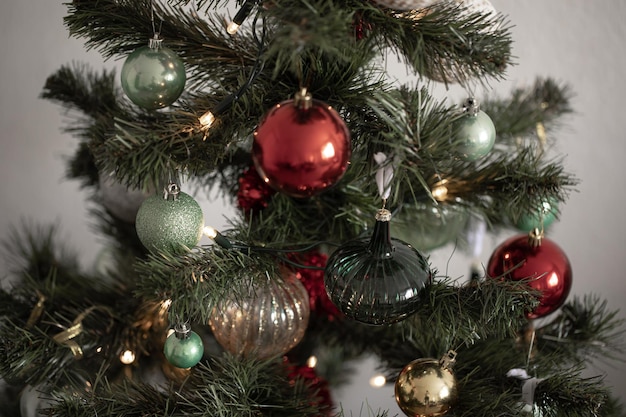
(471, 106)
(303, 100)
(182, 330)
(535, 237)
(448, 360)
(172, 190)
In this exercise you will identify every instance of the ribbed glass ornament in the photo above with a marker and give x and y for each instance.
(269, 320)
(377, 280)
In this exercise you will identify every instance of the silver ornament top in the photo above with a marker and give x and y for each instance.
(155, 42)
(171, 191)
(471, 106)
(181, 330)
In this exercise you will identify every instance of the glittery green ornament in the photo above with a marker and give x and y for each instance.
(475, 133)
(172, 222)
(183, 348)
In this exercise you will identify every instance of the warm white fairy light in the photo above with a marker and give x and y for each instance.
(312, 361)
(440, 191)
(217, 237)
(378, 381)
(127, 357)
(210, 232)
(206, 120)
(232, 28)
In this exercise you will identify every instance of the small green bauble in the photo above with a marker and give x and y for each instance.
(546, 211)
(171, 223)
(475, 133)
(427, 226)
(183, 348)
(153, 76)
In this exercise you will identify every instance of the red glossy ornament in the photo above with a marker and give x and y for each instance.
(301, 147)
(546, 267)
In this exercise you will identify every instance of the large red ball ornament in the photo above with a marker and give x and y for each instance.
(546, 268)
(301, 147)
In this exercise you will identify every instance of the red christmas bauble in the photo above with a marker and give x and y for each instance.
(546, 268)
(301, 151)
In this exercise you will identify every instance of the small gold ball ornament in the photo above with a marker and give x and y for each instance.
(427, 387)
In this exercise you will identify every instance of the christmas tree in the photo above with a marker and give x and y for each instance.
(343, 180)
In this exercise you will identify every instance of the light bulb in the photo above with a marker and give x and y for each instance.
(232, 28)
(440, 191)
(127, 357)
(206, 120)
(378, 381)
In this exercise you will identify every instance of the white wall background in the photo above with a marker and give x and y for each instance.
(576, 41)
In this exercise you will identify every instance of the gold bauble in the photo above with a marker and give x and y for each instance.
(426, 388)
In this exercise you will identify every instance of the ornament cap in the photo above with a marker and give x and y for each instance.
(155, 42)
(303, 100)
(471, 106)
(171, 191)
(448, 360)
(535, 237)
(182, 331)
(383, 215)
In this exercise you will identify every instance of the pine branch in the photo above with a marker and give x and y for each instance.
(584, 329)
(519, 116)
(225, 386)
(569, 394)
(444, 42)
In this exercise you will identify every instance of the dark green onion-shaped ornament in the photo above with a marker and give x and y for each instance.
(170, 222)
(377, 280)
(183, 348)
(474, 132)
(153, 76)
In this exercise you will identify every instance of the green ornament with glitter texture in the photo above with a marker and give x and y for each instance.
(171, 223)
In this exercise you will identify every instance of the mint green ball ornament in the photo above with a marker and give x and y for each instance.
(474, 132)
(153, 76)
(172, 222)
(543, 216)
(183, 348)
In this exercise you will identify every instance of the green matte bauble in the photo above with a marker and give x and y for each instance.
(153, 77)
(474, 135)
(183, 351)
(169, 224)
(425, 388)
(428, 226)
(547, 212)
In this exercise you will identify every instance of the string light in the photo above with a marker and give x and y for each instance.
(312, 361)
(127, 357)
(232, 28)
(217, 237)
(378, 381)
(440, 190)
(241, 15)
(206, 120)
